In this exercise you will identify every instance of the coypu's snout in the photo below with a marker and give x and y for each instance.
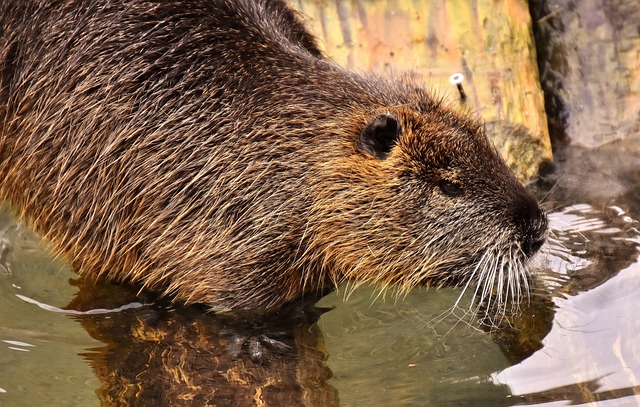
(532, 225)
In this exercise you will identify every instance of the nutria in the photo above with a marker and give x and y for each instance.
(208, 150)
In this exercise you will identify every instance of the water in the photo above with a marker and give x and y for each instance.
(40, 362)
(580, 346)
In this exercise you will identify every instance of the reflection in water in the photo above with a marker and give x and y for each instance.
(592, 352)
(161, 355)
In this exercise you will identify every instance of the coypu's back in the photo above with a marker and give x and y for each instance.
(206, 148)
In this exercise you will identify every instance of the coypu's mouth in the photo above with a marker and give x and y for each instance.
(501, 279)
(497, 278)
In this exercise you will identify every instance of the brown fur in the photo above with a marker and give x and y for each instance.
(207, 149)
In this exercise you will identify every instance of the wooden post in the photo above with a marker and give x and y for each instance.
(488, 41)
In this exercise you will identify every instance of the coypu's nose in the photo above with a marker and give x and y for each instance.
(531, 246)
(532, 222)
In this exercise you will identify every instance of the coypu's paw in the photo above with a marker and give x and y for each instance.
(256, 347)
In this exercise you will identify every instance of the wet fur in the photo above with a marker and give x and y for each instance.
(207, 149)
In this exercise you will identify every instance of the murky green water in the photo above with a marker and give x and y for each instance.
(403, 352)
(40, 362)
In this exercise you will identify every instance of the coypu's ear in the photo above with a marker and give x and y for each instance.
(379, 137)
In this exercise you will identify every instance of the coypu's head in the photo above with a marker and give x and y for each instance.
(434, 205)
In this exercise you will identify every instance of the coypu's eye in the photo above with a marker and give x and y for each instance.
(450, 188)
(379, 137)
